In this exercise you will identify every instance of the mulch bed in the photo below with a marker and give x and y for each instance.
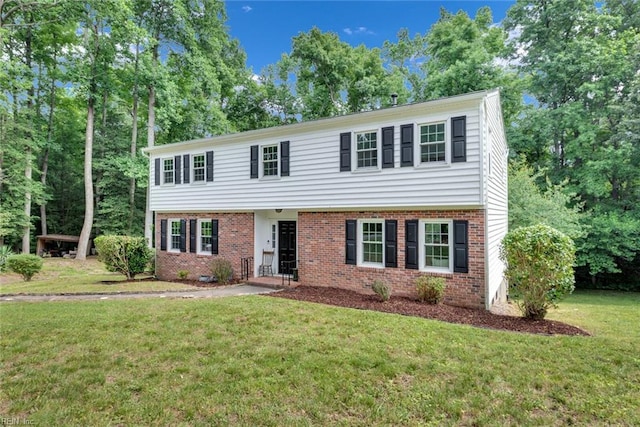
(411, 307)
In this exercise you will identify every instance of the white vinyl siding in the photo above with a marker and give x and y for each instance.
(315, 180)
(199, 165)
(436, 245)
(371, 246)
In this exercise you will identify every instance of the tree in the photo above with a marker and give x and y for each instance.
(539, 262)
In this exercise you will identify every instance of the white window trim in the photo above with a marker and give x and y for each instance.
(173, 171)
(199, 250)
(354, 150)
(360, 242)
(261, 161)
(447, 144)
(421, 243)
(170, 247)
(193, 169)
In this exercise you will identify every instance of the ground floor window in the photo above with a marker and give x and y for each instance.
(372, 242)
(205, 236)
(436, 245)
(175, 235)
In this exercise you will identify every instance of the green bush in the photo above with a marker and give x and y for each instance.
(381, 289)
(124, 254)
(539, 262)
(222, 270)
(183, 274)
(25, 264)
(430, 289)
(5, 252)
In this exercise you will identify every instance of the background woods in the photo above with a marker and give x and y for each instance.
(85, 84)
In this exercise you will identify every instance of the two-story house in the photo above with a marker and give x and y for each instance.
(389, 194)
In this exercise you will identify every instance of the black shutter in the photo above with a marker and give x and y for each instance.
(163, 234)
(351, 241)
(254, 161)
(460, 247)
(411, 244)
(193, 235)
(459, 139)
(345, 152)
(209, 163)
(391, 243)
(214, 236)
(185, 164)
(183, 235)
(406, 145)
(284, 158)
(157, 171)
(177, 171)
(387, 147)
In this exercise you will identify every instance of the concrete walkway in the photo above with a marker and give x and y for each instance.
(226, 291)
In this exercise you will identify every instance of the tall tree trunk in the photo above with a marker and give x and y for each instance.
(83, 244)
(151, 137)
(45, 158)
(28, 168)
(134, 142)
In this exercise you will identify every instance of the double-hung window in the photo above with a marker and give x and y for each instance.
(432, 143)
(199, 165)
(372, 242)
(270, 160)
(175, 235)
(168, 171)
(205, 236)
(367, 149)
(437, 240)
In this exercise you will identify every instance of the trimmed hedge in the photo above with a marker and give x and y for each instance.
(25, 264)
(124, 254)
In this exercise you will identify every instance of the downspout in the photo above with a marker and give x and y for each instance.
(155, 252)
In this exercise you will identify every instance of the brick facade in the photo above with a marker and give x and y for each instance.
(235, 242)
(321, 251)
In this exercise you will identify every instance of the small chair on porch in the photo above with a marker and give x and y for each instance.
(266, 267)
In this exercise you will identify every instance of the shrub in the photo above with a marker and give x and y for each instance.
(5, 252)
(430, 289)
(222, 270)
(25, 264)
(124, 254)
(183, 274)
(381, 289)
(539, 261)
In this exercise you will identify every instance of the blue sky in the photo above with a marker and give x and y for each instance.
(265, 28)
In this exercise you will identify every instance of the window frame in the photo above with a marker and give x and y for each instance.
(170, 234)
(361, 242)
(200, 236)
(445, 141)
(203, 168)
(276, 161)
(422, 245)
(378, 151)
(172, 172)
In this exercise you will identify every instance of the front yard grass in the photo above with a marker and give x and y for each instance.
(68, 276)
(256, 360)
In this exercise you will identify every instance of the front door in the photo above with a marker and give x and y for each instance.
(287, 246)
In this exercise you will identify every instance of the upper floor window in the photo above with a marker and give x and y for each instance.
(168, 171)
(199, 165)
(270, 160)
(432, 143)
(372, 238)
(367, 149)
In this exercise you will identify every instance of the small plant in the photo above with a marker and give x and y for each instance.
(381, 289)
(25, 264)
(539, 263)
(222, 270)
(430, 289)
(183, 274)
(5, 252)
(124, 254)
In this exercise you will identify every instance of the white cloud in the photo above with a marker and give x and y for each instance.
(358, 30)
(247, 9)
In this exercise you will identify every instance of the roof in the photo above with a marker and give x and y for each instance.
(59, 237)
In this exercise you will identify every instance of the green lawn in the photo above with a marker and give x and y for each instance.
(62, 275)
(256, 360)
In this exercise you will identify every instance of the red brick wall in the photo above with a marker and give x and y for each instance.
(235, 234)
(321, 246)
